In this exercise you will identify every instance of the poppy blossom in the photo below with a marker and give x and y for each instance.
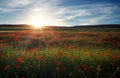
(70, 74)
(6, 67)
(19, 59)
(30, 66)
(42, 58)
(57, 68)
(71, 55)
(58, 63)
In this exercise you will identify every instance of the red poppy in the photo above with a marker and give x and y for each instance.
(83, 48)
(62, 53)
(42, 58)
(35, 57)
(111, 63)
(56, 56)
(85, 68)
(18, 66)
(58, 63)
(90, 53)
(70, 74)
(71, 55)
(27, 57)
(6, 67)
(114, 58)
(30, 66)
(72, 47)
(57, 68)
(23, 77)
(50, 62)
(19, 59)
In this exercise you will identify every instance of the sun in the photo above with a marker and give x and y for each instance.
(36, 22)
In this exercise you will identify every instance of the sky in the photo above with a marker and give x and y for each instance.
(60, 12)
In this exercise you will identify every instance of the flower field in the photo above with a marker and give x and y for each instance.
(60, 53)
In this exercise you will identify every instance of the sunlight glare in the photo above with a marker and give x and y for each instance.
(37, 22)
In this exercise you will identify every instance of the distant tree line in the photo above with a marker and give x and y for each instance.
(99, 26)
(2, 26)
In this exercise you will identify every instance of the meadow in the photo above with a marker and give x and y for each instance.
(60, 53)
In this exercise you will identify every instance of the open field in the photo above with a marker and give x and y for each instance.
(60, 53)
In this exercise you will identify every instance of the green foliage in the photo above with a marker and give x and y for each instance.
(60, 54)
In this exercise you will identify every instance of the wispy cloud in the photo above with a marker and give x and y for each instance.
(16, 3)
(55, 14)
(4, 10)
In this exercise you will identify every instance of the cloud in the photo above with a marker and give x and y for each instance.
(13, 5)
(71, 13)
(92, 21)
(17, 3)
(98, 14)
(8, 10)
(54, 14)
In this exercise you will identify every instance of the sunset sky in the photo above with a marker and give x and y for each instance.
(60, 12)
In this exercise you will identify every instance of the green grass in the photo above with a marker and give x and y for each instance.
(60, 54)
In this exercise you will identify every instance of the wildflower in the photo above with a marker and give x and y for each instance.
(50, 62)
(101, 62)
(111, 63)
(6, 67)
(23, 77)
(109, 54)
(93, 71)
(27, 57)
(18, 66)
(48, 45)
(72, 47)
(42, 59)
(85, 68)
(56, 56)
(103, 54)
(19, 59)
(58, 63)
(70, 74)
(64, 68)
(33, 49)
(35, 57)
(98, 68)
(114, 58)
(57, 68)
(30, 66)
(62, 53)
(8, 57)
(16, 38)
(91, 67)
(109, 50)
(83, 48)
(67, 49)
(71, 55)
(78, 66)
(114, 77)
(90, 53)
